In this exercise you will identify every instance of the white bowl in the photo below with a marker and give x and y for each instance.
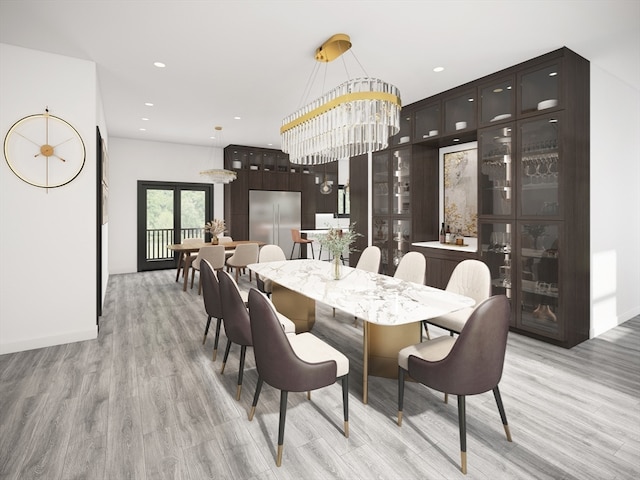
(433, 133)
(461, 125)
(404, 139)
(547, 104)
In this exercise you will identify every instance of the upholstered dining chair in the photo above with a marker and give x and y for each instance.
(298, 240)
(222, 239)
(268, 253)
(468, 364)
(292, 363)
(470, 278)
(212, 302)
(412, 268)
(187, 258)
(214, 254)
(245, 254)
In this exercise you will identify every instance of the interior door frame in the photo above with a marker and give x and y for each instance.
(177, 187)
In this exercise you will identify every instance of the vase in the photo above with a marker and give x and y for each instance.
(214, 240)
(337, 267)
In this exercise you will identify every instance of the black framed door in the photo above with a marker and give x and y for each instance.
(169, 212)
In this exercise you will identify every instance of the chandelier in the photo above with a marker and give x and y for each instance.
(354, 118)
(217, 175)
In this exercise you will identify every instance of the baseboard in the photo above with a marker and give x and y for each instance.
(42, 342)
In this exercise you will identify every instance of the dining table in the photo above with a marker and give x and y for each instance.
(186, 249)
(392, 310)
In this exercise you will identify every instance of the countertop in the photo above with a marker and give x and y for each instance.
(471, 245)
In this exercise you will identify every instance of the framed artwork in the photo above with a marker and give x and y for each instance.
(459, 188)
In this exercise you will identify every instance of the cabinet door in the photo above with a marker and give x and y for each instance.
(540, 295)
(401, 182)
(497, 101)
(381, 187)
(540, 88)
(427, 123)
(404, 134)
(400, 243)
(540, 166)
(496, 170)
(460, 112)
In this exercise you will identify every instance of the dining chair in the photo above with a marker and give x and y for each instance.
(298, 240)
(469, 364)
(292, 363)
(412, 268)
(369, 261)
(268, 253)
(245, 254)
(214, 254)
(222, 239)
(186, 258)
(212, 302)
(470, 278)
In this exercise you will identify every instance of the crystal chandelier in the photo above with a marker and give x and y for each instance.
(217, 175)
(354, 118)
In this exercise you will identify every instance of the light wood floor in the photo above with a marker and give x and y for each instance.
(145, 400)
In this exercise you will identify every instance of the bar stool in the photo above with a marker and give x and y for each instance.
(297, 239)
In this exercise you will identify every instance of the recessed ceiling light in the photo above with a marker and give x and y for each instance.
(159, 64)
(269, 144)
(149, 104)
(456, 139)
(143, 129)
(438, 69)
(145, 119)
(236, 118)
(553, 74)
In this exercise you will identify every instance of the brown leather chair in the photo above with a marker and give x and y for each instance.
(298, 240)
(236, 323)
(469, 364)
(212, 301)
(292, 363)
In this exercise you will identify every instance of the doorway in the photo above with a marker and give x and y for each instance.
(168, 213)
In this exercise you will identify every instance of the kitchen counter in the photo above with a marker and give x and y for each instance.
(470, 245)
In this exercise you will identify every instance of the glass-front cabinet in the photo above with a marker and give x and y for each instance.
(496, 250)
(540, 88)
(460, 112)
(391, 189)
(497, 101)
(496, 170)
(426, 122)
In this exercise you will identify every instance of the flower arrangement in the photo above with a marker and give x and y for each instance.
(215, 227)
(337, 240)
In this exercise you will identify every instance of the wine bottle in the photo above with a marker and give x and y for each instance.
(447, 235)
(442, 234)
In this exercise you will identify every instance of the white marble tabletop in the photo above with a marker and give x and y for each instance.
(373, 297)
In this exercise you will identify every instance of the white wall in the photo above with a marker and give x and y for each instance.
(47, 238)
(615, 201)
(133, 160)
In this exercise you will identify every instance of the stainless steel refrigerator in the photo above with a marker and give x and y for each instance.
(272, 215)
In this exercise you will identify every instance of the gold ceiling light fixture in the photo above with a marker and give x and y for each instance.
(219, 175)
(354, 118)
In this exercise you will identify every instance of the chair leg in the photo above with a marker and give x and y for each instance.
(193, 275)
(345, 403)
(400, 394)
(462, 422)
(255, 398)
(243, 352)
(226, 355)
(206, 329)
(292, 249)
(503, 415)
(446, 398)
(283, 417)
(313, 255)
(426, 329)
(199, 285)
(237, 273)
(215, 340)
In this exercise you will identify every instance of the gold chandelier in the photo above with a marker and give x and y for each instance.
(354, 118)
(218, 175)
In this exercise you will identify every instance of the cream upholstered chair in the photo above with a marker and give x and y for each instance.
(292, 363)
(468, 364)
(214, 254)
(222, 239)
(470, 278)
(412, 268)
(245, 254)
(186, 258)
(268, 253)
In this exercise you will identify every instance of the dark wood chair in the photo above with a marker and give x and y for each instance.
(468, 364)
(292, 363)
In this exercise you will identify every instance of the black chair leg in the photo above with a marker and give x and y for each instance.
(255, 398)
(283, 417)
(503, 415)
(226, 355)
(400, 394)
(243, 352)
(345, 403)
(292, 249)
(206, 329)
(313, 255)
(462, 422)
(215, 340)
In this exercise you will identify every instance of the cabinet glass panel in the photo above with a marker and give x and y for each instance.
(400, 243)
(495, 249)
(255, 161)
(282, 163)
(460, 113)
(268, 162)
(401, 171)
(427, 122)
(496, 170)
(404, 134)
(539, 276)
(381, 240)
(239, 159)
(539, 167)
(380, 172)
(496, 101)
(539, 89)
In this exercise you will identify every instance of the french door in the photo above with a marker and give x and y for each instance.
(168, 213)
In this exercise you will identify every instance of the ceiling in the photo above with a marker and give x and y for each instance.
(253, 59)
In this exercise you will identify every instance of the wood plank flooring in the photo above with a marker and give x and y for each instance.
(145, 401)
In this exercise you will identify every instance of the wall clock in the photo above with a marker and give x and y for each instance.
(44, 150)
